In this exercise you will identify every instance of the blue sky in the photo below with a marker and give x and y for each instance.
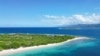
(48, 13)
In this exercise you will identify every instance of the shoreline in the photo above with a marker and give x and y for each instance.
(21, 49)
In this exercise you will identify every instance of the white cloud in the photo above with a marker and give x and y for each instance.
(54, 20)
(74, 19)
(48, 16)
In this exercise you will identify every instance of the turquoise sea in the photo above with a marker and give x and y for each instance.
(81, 47)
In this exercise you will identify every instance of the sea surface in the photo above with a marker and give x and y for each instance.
(74, 48)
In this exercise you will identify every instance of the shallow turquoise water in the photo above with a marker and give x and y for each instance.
(76, 48)
(62, 50)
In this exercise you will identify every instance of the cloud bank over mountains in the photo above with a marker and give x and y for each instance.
(74, 19)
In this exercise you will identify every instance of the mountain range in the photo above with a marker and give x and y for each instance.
(82, 26)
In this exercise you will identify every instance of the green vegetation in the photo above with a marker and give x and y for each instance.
(9, 41)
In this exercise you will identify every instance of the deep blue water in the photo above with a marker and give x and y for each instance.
(75, 48)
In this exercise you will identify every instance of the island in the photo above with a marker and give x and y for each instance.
(14, 41)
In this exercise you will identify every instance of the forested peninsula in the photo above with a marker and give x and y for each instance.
(13, 41)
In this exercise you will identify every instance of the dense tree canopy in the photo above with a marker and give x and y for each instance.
(8, 41)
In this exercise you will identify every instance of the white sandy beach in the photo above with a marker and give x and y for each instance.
(11, 51)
